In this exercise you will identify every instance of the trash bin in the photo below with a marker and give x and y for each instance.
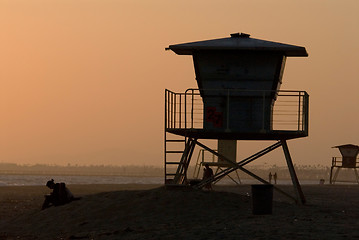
(262, 199)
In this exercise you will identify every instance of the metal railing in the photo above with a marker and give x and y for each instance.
(289, 111)
(338, 162)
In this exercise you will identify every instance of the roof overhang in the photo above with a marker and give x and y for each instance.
(238, 42)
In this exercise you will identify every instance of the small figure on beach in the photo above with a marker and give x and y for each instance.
(275, 178)
(207, 173)
(270, 177)
(60, 195)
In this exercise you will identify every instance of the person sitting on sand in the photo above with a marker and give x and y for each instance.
(60, 195)
(207, 173)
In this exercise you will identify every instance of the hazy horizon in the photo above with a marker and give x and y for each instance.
(82, 82)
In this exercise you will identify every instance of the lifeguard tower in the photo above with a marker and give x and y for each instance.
(348, 160)
(238, 98)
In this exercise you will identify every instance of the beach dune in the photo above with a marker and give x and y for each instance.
(153, 212)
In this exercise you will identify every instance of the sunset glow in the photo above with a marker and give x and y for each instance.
(82, 82)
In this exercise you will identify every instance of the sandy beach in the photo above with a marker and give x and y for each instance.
(152, 212)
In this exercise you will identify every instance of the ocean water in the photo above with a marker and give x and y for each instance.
(39, 180)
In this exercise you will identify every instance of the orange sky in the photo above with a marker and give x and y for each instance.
(83, 81)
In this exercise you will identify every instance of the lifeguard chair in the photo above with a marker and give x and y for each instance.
(238, 98)
(348, 160)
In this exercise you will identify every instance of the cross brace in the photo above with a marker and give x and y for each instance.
(300, 196)
(333, 177)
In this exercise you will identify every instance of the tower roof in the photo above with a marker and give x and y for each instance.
(239, 41)
(347, 146)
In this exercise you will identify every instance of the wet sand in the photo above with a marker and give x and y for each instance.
(152, 212)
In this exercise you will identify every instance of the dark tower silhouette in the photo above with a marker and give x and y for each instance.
(348, 160)
(238, 98)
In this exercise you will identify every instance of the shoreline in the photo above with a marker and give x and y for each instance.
(40, 180)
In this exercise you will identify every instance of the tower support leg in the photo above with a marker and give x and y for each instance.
(356, 175)
(336, 175)
(297, 187)
(331, 175)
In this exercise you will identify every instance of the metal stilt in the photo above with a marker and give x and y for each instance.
(331, 175)
(297, 187)
(356, 175)
(336, 175)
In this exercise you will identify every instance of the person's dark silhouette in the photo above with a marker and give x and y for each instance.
(207, 173)
(60, 195)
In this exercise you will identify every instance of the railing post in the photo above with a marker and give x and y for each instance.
(174, 111)
(306, 99)
(185, 110)
(180, 111)
(192, 109)
(166, 123)
(263, 111)
(227, 110)
(299, 110)
(202, 155)
(171, 111)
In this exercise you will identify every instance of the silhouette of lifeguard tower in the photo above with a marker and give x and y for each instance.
(348, 160)
(238, 98)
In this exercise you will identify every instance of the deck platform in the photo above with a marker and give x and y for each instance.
(268, 135)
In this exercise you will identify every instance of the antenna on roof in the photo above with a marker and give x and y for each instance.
(240, 35)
